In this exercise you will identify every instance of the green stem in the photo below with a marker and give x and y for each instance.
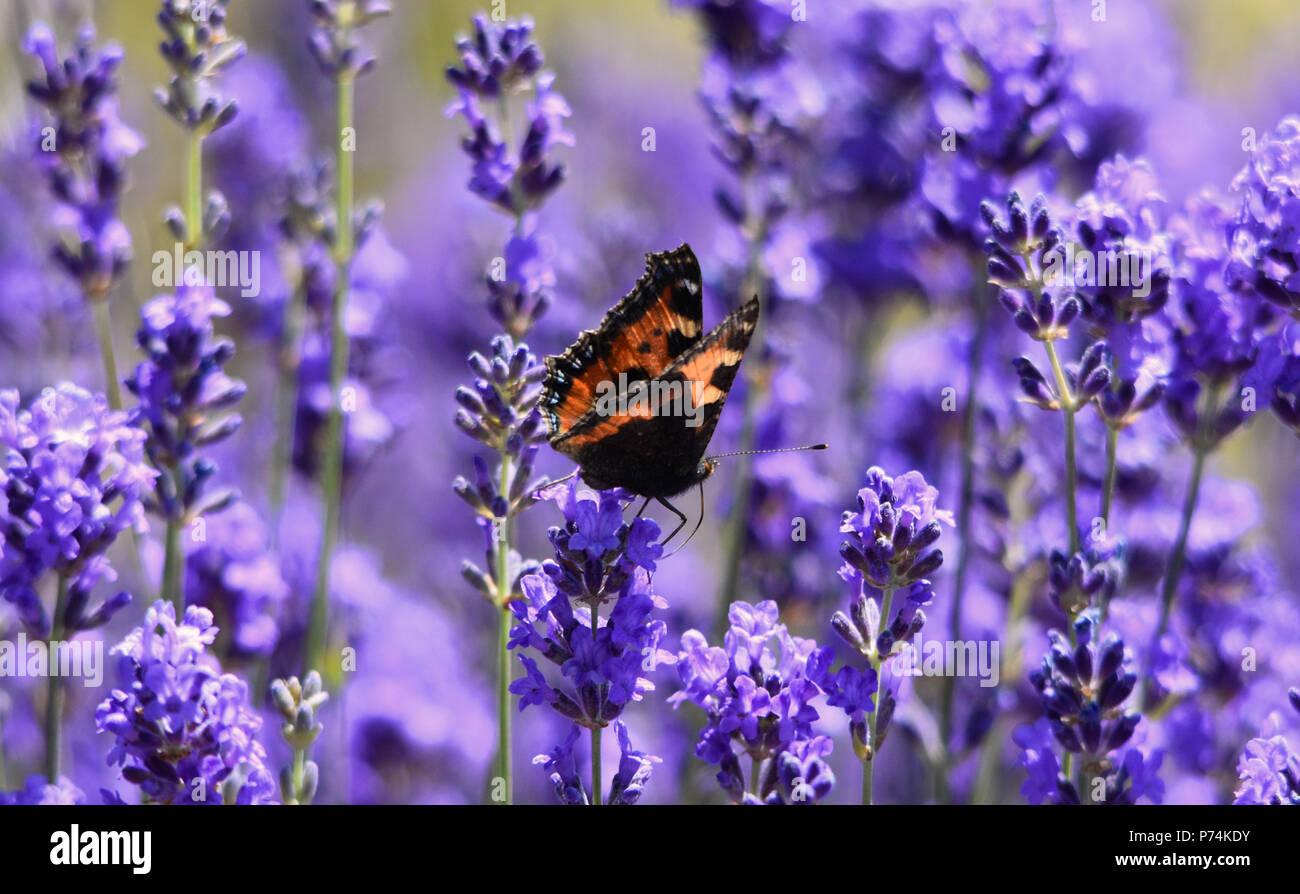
(755, 769)
(595, 765)
(286, 404)
(299, 764)
(173, 582)
(877, 664)
(104, 331)
(1108, 490)
(505, 762)
(967, 498)
(1170, 585)
(54, 694)
(332, 469)
(734, 537)
(1071, 474)
(194, 191)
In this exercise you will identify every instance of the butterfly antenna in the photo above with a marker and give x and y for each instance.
(774, 450)
(698, 522)
(547, 483)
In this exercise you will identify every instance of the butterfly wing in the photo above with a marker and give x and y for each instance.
(658, 321)
(656, 454)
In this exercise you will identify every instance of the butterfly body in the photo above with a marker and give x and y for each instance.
(635, 401)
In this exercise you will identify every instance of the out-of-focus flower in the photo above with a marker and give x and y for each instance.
(231, 572)
(1265, 236)
(499, 60)
(85, 157)
(197, 48)
(38, 791)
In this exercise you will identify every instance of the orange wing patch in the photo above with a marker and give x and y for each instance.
(652, 325)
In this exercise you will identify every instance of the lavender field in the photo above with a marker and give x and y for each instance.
(295, 509)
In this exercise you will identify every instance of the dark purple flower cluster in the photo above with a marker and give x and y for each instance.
(500, 411)
(1022, 253)
(182, 392)
(84, 156)
(1121, 273)
(72, 479)
(1269, 770)
(333, 42)
(183, 731)
(197, 48)
(599, 558)
(891, 535)
(1216, 332)
(1084, 689)
(889, 553)
(757, 693)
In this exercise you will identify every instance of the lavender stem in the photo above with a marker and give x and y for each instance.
(505, 763)
(877, 665)
(54, 695)
(104, 330)
(332, 473)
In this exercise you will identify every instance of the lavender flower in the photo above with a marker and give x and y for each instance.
(1021, 253)
(1216, 335)
(1003, 90)
(1084, 689)
(85, 157)
(889, 550)
(38, 791)
(297, 703)
(501, 59)
(1265, 253)
(756, 692)
(1121, 226)
(1268, 768)
(634, 769)
(73, 479)
(599, 558)
(182, 390)
(333, 42)
(197, 48)
(183, 731)
(230, 572)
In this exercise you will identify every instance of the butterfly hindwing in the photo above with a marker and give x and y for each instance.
(658, 454)
(658, 321)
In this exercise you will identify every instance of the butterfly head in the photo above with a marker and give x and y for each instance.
(704, 469)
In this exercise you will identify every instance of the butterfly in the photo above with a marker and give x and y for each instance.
(635, 401)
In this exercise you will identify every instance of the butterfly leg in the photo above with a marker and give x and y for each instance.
(640, 511)
(675, 511)
(698, 522)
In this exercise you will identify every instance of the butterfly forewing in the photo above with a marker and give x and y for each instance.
(657, 453)
(658, 321)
